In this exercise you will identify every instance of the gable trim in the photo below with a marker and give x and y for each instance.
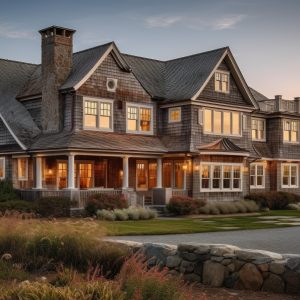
(12, 133)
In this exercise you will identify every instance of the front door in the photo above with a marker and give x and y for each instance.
(141, 174)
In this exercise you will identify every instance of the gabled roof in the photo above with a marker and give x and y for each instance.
(257, 95)
(14, 115)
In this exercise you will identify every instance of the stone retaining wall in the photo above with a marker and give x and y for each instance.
(219, 265)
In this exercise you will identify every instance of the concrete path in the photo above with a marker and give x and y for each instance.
(281, 240)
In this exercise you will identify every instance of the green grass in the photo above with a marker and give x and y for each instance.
(188, 225)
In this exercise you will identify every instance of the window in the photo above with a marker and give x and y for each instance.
(221, 177)
(174, 114)
(289, 175)
(290, 131)
(222, 122)
(139, 119)
(257, 175)
(22, 168)
(62, 174)
(84, 175)
(258, 129)
(2, 167)
(222, 82)
(98, 114)
(174, 174)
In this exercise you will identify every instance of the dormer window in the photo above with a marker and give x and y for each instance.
(222, 81)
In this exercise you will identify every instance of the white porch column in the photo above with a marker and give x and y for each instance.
(71, 171)
(38, 173)
(125, 172)
(159, 173)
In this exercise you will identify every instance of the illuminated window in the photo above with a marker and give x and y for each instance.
(145, 119)
(222, 122)
(174, 173)
(90, 113)
(2, 167)
(290, 131)
(85, 175)
(258, 129)
(174, 114)
(257, 175)
(132, 118)
(222, 82)
(289, 175)
(62, 174)
(105, 115)
(22, 168)
(139, 119)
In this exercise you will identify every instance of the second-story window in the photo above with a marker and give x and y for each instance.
(258, 129)
(98, 114)
(174, 114)
(222, 82)
(139, 119)
(290, 131)
(222, 122)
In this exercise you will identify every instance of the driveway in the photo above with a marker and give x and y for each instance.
(281, 240)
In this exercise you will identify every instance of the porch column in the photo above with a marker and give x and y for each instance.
(38, 173)
(71, 170)
(159, 173)
(125, 172)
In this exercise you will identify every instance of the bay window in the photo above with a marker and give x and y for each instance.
(222, 122)
(289, 176)
(139, 119)
(257, 175)
(2, 168)
(290, 131)
(258, 127)
(221, 177)
(22, 168)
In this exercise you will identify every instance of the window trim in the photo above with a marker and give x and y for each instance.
(255, 186)
(26, 169)
(222, 72)
(289, 186)
(264, 122)
(221, 189)
(289, 141)
(170, 111)
(222, 122)
(4, 161)
(139, 106)
(98, 100)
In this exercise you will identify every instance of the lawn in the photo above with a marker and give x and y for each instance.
(195, 225)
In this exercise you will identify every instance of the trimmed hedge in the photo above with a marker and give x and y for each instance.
(53, 207)
(273, 200)
(18, 205)
(183, 205)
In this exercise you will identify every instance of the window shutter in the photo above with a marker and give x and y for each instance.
(200, 116)
(244, 122)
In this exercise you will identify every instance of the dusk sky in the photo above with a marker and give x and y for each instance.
(264, 35)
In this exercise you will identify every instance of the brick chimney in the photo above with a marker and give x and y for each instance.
(57, 51)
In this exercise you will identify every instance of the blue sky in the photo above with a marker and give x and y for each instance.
(263, 35)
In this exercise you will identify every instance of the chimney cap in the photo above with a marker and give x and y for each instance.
(54, 27)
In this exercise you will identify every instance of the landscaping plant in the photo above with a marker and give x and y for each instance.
(183, 205)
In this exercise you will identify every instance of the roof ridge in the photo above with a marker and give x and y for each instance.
(88, 49)
(18, 61)
(138, 56)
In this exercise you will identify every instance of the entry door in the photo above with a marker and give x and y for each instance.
(141, 175)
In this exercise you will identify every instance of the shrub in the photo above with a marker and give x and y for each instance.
(274, 200)
(10, 271)
(53, 206)
(7, 191)
(294, 206)
(105, 201)
(183, 205)
(106, 215)
(133, 213)
(17, 205)
(121, 214)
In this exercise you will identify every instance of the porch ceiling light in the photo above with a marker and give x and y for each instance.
(184, 167)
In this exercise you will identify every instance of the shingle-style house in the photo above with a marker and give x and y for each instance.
(100, 121)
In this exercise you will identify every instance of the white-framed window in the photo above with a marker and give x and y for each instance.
(139, 118)
(257, 175)
(290, 131)
(22, 168)
(221, 177)
(98, 114)
(258, 129)
(2, 168)
(289, 175)
(221, 122)
(222, 81)
(174, 114)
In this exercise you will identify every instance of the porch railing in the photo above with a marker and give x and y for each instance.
(176, 192)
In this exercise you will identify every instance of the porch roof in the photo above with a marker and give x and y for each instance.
(97, 140)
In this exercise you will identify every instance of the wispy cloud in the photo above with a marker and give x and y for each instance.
(162, 21)
(12, 31)
(227, 22)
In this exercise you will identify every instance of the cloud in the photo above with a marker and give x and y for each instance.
(162, 21)
(227, 22)
(11, 31)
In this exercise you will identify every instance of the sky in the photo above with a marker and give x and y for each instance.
(263, 35)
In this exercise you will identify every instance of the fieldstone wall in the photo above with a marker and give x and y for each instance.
(220, 265)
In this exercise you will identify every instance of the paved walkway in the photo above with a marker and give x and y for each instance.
(281, 240)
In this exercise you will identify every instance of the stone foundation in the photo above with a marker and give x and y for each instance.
(220, 265)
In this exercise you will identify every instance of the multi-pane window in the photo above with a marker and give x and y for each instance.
(174, 173)
(174, 114)
(258, 129)
(290, 131)
(289, 175)
(22, 168)
(222, 122)
(2, 168)
(139, 119)
(98, 114)
(257, 175)
(62, 174)
(222, 82)
(222, 177)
